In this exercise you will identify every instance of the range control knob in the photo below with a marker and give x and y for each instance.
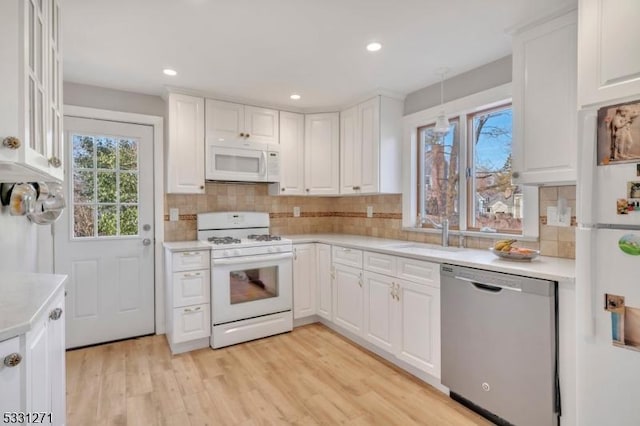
(236, 252)
(226, 253)
(271, 249)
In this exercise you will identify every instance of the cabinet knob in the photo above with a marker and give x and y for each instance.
(242, 135)
(12, 360)
(515, 175)
(55, 314)
(55, 162)
(282, 190)
(11, 142)
(307, 189)
(247, 135)
(201, 186)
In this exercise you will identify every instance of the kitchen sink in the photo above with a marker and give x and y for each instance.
(422, 248)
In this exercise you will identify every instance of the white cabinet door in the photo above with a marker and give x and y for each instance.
(324, 282)
(38, 378)
(11, 376)
(191, 288)
(380, 310)
(191, 323)
(185, 153)
(57, 361)
(304, 280)
(348, 298)
(609, 63)
(225, 122)
(350, 144)
(291, 153)
(321, 154)
(368, 153)
(544, 103)
(418, 327)
(261, 125)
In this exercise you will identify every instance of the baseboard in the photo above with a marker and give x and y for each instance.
(299, 322)
(192, 345)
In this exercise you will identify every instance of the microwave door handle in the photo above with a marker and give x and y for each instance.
(263, 164)
(252, 259)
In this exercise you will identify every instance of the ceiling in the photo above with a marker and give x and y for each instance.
(265, 50)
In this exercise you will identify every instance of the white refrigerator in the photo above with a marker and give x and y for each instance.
(608, 330)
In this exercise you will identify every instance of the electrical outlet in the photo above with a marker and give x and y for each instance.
(174, 215)
(296, 212)
(554, 218)
(369, 211)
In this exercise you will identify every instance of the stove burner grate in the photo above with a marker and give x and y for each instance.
(223, 240)
(264, 237)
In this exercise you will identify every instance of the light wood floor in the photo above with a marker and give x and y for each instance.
(311, 376)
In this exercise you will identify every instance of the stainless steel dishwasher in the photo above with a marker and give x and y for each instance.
(499, 345)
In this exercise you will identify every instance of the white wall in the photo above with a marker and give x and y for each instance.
(18, 243)
(479, 79)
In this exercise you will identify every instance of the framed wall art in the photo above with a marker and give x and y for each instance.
(619, 133)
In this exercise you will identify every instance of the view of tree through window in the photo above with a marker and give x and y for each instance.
(496, 202)
(105, 186)
(438, 193)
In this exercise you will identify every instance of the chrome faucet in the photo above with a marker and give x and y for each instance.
(444, 225)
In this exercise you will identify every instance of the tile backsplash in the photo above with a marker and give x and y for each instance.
(345, 215)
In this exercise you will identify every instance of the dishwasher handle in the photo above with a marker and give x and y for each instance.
(494, 288)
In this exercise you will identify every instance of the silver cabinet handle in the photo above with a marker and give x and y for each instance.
(360, 280)
(192, 310)
(55, 162)
(11, 142)
(346, 250)
(146, 242)
(333, 273)
(12, 360)
(190, 254)
(55, 314)
(189, 274)
(295, 254)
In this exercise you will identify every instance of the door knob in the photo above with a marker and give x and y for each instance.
(146, 242)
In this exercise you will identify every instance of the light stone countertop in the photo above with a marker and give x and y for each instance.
(22, 299)
(544, 267)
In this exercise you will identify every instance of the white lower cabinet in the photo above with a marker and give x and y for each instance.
(304, 280)
(380, 310)
(188, 299)
(417, 326)
(191, 323)
(348, 298)
(324, 282)
(11, 366)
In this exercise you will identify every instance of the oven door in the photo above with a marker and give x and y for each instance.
(250, 286)
(236, 164)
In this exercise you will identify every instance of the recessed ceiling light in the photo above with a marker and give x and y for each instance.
(374, 46)
(169, 71)
(295, 97)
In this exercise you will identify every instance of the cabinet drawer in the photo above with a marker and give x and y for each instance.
(347, 256)
(419, 271)
(191, 323)
(190, 260)
(191, 288)
(380, 263)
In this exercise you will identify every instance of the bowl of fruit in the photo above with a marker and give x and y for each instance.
(507, 249)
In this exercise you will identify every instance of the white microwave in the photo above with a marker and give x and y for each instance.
(243, 164)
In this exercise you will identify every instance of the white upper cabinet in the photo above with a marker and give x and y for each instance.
(321, 154)
(228, 123)
(291, 153)
(544, 102)
(370, 147)
(31, 87)
(608, 57)
(185, 148)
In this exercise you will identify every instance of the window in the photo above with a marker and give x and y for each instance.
(465, 174)
(438, 186)
(494, 202)
(105, 186)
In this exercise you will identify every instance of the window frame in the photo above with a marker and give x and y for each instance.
(462, 107)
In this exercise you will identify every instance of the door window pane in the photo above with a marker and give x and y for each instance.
(253, 284)
(105, 186)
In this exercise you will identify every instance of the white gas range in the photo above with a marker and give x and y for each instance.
(251, 277)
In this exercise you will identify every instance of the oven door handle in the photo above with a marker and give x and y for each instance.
(248, 260)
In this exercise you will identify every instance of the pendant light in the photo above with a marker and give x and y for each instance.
(442, 122)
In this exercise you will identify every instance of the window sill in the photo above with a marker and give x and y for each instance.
(475, 234)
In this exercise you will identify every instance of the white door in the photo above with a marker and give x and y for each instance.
(304, 280)
(324, 281)
(224, 123)
(104, 242)
(261, 124)
(291, 153)
(321, 154)
(348, 298)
